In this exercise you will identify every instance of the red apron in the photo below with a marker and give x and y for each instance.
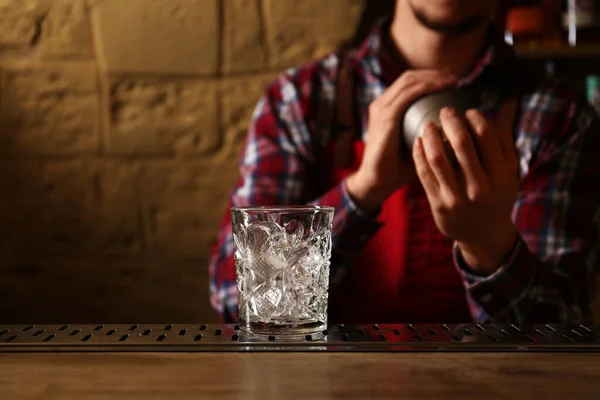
(405, 273)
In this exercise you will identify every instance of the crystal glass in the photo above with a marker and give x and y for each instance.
(282, 257)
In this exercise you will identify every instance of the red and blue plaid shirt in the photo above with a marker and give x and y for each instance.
(550, 274)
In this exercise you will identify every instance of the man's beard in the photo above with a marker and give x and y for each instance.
(450, 28)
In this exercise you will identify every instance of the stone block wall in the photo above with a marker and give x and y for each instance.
(121, 122)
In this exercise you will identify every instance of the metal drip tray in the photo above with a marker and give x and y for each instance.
(340, 338)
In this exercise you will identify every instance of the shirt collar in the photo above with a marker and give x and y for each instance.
(377, 54)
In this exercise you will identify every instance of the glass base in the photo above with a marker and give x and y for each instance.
(284, 330)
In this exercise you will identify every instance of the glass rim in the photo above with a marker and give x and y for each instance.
(282, 208)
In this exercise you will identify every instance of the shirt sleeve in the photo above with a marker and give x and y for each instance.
(549, 276)
(277, 168)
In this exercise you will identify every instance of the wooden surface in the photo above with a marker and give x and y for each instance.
(290, 376)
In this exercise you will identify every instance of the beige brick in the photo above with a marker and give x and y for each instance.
(243, 46)
(163, 117)
(183, 205)
(68, 207)
(299, 31)
(49, 108)
(53, 27)
(158, 36)
(239, 97)
(90, 291)
(65, 29)
(18, 29)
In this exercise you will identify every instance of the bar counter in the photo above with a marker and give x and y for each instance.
(301, 375)
(389, 362)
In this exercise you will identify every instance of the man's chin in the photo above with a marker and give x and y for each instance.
(453, 28)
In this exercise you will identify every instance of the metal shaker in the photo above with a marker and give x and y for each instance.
(427, 109)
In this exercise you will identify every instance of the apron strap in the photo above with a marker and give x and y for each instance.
(343, 127)
(506, 123)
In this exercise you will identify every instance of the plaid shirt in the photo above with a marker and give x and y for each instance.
(549, 276)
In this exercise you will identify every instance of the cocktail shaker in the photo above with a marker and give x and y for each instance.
(427, 109)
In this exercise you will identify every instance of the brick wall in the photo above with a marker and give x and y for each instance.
(120, 126)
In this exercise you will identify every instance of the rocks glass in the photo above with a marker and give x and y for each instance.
(282, 257)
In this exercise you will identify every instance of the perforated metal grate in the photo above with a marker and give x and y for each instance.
(385, 337)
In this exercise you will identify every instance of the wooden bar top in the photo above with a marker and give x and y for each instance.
(299, 375)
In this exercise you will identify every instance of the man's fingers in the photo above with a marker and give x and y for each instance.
(410, 94)
(435, 79)
(487, 141)
(424, 172)
(464, 148)
(438, 161)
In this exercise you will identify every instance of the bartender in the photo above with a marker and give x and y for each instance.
(505, 235)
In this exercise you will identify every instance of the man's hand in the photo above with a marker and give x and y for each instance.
(383, 170)
(472, 204)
